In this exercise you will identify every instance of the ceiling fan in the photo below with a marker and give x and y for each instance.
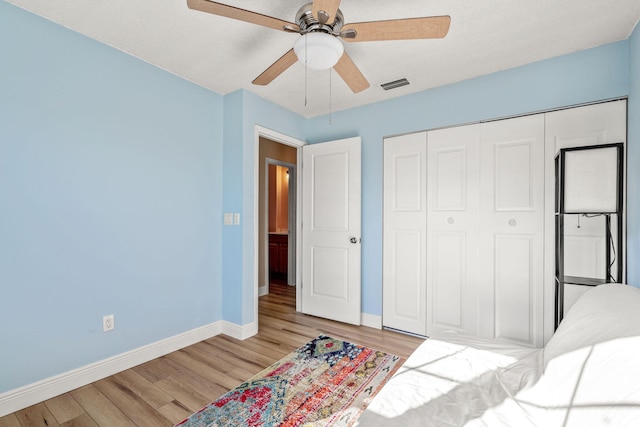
(321, 23)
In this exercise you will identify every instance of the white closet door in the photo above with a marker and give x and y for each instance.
(512, 230)
(404, 238)
(583, 126)
(452, 229)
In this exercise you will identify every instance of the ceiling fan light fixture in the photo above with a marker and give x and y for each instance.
(319, 51)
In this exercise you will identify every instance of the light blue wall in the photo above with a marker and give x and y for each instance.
(258, 111)
(110, 201)
(242, 112)
(633, 162)
(586, 76)
(232, 202)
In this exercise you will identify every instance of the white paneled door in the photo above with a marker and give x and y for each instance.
(485, 229)
(452, 229)
(585, 241)
(404, 296)
(331, 230)
(512, 230)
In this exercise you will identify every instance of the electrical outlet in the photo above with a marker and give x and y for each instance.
(108, 323)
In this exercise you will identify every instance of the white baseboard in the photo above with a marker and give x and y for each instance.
(239, 332)
(263, 290)
(371, 320)
(22, 397)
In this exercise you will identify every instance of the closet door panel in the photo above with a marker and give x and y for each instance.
(589, 125)
(582, 126)
(449, 273)
(515, 287)
(452, 229)
(406, 174)
(512, 229)
(407, 276)
(513, 176)
(404, 235)
(450, 185)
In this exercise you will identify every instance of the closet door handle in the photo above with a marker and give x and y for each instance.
(353, 240)
(512, 222)
(450, 220)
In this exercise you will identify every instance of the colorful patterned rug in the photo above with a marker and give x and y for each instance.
(327, 382)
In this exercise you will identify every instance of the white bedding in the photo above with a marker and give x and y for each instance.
(587, 375)
(451, 380)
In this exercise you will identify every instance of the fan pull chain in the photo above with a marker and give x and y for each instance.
(330, 95)
(305, 69)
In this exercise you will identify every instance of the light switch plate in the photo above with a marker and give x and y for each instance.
(228, 219)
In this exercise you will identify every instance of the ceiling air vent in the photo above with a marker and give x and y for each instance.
(394, 84)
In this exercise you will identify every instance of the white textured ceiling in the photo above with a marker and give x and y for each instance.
(225, 55)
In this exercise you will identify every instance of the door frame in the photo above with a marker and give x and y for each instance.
(260, 131)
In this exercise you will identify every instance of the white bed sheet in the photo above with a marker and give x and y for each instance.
(587, 375)
(453, 379)
(592, 386)
(591, 369)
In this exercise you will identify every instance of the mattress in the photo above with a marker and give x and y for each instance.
(452, 379)
(588, 374)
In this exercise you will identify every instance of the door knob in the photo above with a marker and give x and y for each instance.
(353, 240)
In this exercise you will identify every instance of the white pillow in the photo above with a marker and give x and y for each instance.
(602, 314)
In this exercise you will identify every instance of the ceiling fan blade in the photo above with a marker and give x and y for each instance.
(277, 68)
(351, 75)
(430, 27)
(240, 14)
(330, 7)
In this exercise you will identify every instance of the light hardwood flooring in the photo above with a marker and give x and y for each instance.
(166, 390)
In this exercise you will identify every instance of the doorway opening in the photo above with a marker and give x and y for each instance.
(277, 214)
(280, 213)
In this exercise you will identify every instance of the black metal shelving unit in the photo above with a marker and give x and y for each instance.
(560, 213)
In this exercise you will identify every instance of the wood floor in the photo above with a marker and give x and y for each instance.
(166, 390)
